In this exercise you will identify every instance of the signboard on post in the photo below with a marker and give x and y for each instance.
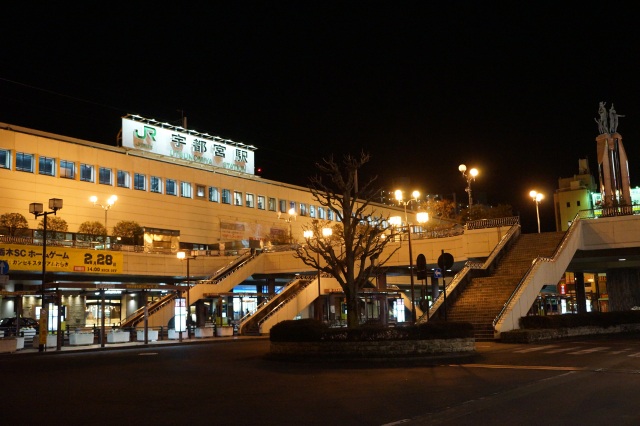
(4, 267)
(445, 261)
(421, 267)
(437, 273)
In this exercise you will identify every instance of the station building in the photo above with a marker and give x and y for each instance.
(189, 191)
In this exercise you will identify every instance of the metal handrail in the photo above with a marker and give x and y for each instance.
(537, 261)
(229, 269)
(469, 265)
(304, 283)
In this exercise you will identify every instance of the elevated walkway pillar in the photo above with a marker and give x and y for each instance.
(581, 300)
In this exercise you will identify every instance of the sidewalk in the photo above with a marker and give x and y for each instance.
(131, 345)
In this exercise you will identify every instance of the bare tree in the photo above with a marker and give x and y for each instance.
(351, 254)
(95, 231)
(56, 224)
(56, 227)
(13, 223)
(128, 230)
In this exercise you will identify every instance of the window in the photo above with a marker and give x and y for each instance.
(303, 209)
(123, 179)
(86, 173)
(329, 214)
(67, 169)
(312, 211)
(320, 213)
(172, 187)
(226, 196)
(185, 190)
(568, 204)
(200, 191)
(47, 166)
(249, 201)
(578, 203)
(283, 206)
(140, 182)
(237, 198)
(292, 206)
(24, 162)
(214, 194)
(272, 204)
(156, 184)
(105, 176)
(5, 159)
(261, 202)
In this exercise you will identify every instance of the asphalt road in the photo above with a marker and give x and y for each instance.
(593, 380)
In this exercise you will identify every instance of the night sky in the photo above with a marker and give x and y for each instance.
(512, 89)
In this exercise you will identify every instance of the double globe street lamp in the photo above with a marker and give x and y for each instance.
(471, 176)
(289, 219)
(109, 203)
(309, 234)
(396, 221)
(37, 210)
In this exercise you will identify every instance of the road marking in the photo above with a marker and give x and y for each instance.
(538, 348)
(523, 367)
(148, 353)
(588, 351)
(555, 351)
(636, 355)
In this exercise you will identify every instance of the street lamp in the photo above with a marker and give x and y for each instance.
(537, 197)
(110, 202)
(37, 210)
(422, 217)
(183, 256)
(292, 217)
(471, 176)
(308, 235)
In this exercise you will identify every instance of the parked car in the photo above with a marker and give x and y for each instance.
(8, 325)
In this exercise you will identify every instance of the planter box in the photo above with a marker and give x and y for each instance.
(52, 341)
(383, 349)
(78, 339)
(224, 331)
(9, 344)
(175, 335)
(152, 335)
(19, 343)
(204, 332)
(118, 337)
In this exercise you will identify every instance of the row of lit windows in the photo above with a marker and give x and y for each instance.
(25, 162)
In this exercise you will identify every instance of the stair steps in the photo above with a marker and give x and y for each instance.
(484, 297)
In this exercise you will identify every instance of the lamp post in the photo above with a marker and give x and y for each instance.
(110, 202)
(308, 235)
(289, 219)
(37, 210)
(183, 256)
(471, 176)
(422, 217)
(537, 197)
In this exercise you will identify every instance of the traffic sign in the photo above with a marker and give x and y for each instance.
(437, 273)
(421, 267)
(445, 261)
(4, 267)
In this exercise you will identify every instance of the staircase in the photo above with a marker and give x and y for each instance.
(484, 297)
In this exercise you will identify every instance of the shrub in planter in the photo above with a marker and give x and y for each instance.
(592, 319)
(304, 330)
(309, 330)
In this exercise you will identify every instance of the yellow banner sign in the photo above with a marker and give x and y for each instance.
(61, 259)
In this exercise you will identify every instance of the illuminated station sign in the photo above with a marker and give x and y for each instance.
(172, 141)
